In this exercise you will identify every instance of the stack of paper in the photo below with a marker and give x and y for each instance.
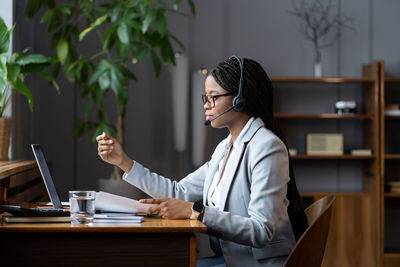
(117, 218)
(113, 203)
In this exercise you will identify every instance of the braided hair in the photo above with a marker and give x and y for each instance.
(257, 92)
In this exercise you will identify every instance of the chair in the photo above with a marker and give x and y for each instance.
(309, 249)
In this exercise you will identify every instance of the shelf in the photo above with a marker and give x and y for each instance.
(392, 79)
(392, 156)
(302, 156)
(322, 80)
(392, 255)
(338, 194)
(323, 116)
(392, 116)
(392, 195)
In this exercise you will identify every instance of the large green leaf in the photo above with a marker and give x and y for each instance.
(33, 58)
(156, 63)
(105, 81)
(115, 13)
(160, 22)
(167, 52)
(123, 33)
(33, 68)
(117, 80)
(110, 38)
(101, 69)
(147, 21)
(13, 72)
(20, 86)
(139, 51)
(62, 51)
(126, 72)
(4, 36)
(3, 72)
(192, 7)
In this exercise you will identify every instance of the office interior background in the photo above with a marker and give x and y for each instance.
(259, 29)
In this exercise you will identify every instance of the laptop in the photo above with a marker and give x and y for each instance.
(57, 209)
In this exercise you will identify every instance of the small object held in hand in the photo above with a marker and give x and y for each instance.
(346, 107)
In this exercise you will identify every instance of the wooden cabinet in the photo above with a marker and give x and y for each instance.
(20, 181)
(307, 105)
(390, 170)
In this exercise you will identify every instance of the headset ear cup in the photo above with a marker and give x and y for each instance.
(238, 103)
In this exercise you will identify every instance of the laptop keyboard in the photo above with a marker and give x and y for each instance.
(35, 212)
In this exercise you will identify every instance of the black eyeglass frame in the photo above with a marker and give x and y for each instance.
(211, 98)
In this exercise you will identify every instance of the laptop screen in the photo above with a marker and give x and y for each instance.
(44, 170)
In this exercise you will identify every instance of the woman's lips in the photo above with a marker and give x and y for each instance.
(208, 117)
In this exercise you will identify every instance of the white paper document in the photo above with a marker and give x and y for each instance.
(114, 203)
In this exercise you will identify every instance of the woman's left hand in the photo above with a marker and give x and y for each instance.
(169, 208)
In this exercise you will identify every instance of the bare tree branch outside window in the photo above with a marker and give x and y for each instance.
(319, 19)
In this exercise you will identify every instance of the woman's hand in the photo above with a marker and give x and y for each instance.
(170, 208)
(110, 150)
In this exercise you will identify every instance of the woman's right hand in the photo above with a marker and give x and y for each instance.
(110, 150)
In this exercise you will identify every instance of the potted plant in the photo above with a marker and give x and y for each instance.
(126, 32)
(13, 70)
(319, 21)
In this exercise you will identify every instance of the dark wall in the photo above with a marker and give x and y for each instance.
(258, 29)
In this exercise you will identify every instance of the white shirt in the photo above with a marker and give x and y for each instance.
(215, 189)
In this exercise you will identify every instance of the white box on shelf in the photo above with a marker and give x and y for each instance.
(361, 152)
(324, 144)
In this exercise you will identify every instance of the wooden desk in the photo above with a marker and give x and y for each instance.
(154, 242)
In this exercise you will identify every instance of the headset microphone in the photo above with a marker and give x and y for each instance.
(208, 122)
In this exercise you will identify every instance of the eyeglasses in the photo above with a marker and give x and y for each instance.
(211, 98)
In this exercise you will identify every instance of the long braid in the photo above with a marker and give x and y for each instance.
(258, 94)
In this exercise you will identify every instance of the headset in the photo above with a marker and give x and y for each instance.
(238, 102)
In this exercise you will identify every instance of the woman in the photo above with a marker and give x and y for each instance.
(246, 194)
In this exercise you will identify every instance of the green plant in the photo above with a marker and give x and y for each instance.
(126, 31)
(15, 68)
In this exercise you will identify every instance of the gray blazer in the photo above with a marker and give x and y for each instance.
(252, 222)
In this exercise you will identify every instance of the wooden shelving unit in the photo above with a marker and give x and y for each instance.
(323, 116)
(342, 157)
(322, 80)
(389, 168)
(353, 238)
(392, 156)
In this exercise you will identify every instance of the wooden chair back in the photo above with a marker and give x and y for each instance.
(309, 249)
